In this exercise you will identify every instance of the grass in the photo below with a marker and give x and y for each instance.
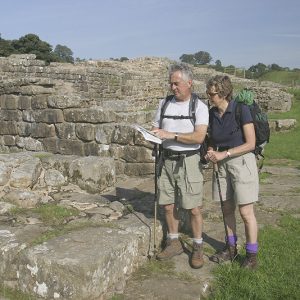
(283, 77)
(286, 145)
(10, 293)
(277, 276)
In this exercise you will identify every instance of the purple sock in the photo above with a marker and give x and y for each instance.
(232, 240)
(252, 248)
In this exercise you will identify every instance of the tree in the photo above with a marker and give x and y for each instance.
(275, 67)
(6, 48)
(202, 58)
(31, 43)
(258, 70)
(64, 53)
(187, 58)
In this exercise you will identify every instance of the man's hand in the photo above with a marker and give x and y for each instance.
(163, 134)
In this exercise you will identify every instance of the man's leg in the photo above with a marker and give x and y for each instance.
(197, 224)
(173, 245)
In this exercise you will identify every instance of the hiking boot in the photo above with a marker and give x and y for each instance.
(197, 256)
(224, 255)
(173, 247)
(250, 261)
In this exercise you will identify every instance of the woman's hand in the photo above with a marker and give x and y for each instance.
(215, 156)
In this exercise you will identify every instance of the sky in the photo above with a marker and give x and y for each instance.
(236, 32)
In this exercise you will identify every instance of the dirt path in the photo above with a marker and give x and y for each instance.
(279, 192)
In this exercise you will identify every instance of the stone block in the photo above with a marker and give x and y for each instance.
(42, 130)
(70, 147)
(24, 128)
(9, 102)
(103, 133)
(51, 145)
(24, 102)
(50, 116)
(93, 174)
(10, 115)
(123, 134)
(85, 132)
(89, 115)
(8, 127)
(138, 169)
(39, 102)
(9, 140)
(66, 131)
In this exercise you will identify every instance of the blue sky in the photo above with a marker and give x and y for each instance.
(237, 32)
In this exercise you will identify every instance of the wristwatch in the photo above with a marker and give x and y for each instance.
(228, 154)
(176, 136)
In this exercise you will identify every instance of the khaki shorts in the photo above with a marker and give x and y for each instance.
(238, 180)
(181, 182)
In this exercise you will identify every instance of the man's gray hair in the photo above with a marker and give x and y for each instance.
(185, 70)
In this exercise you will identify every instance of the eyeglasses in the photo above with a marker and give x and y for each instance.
(211, 94)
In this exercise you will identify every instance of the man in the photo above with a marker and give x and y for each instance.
(181, 180)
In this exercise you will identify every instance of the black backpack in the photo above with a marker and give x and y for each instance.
(260, 120)
(191, 116)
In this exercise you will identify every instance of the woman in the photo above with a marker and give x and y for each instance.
(232, 151)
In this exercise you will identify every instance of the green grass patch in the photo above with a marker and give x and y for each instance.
(289, 78)
(263, 176)
(286, 145)
(13, 294)
(52, 214)
(277, 276)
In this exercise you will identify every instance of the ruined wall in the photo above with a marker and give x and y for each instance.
(87, 108)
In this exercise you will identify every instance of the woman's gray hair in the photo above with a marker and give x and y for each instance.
(185, 70)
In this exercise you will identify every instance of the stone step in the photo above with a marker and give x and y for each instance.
(90, 263)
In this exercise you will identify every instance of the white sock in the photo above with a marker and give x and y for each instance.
(198, 241)
(173, 236)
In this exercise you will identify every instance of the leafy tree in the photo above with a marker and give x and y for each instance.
(202, 58)
(187, 58)
(123, 58)
(6, 48)
(275, 67)
(218, 63)
(31, 43)
(258, 70)
(64, 53)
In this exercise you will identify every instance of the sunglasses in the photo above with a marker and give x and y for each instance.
(210, 94)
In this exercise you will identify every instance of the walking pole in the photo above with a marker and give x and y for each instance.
(216, 169)
(155, 198)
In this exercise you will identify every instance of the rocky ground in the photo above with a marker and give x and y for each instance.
(279, 193)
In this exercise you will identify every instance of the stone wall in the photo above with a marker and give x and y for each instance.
(86, 109)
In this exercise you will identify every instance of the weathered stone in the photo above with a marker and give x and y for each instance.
(66, 131)
(24, 199)
(93, 174)
(29, 144)
(40, 130)
(286, 124)
(70, 147)
(54, 178)
(139, 169)
(24, 102)
(26, 174)
(89, 115)
(5, 171)
(51, 116)
(103, 133)
(117, 206)
(39, 102)
(10, 115)
(9, 127)
(123, 134)
(65, 101)
(85, 132)
(9, 102)
(9, 140)
(24, 128)
(5, 207)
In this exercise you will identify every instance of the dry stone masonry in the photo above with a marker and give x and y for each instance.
(66, 139)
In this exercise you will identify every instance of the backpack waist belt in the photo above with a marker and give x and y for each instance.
(171, 154)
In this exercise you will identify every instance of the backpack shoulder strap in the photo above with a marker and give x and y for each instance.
(163, 108)
(192, 108)
(238, 113)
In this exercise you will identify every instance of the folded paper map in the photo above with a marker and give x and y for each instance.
(148, 135)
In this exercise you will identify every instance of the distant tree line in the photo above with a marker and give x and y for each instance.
(202, 58)
(31, 44)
